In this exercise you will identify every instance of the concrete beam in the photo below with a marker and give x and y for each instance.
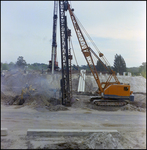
(4, 131)
(62, 132)
(81, 84)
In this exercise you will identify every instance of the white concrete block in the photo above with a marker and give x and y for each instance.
(129, 74)
(4, 131)
(81, 85)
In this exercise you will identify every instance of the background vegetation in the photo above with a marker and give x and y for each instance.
(119, 66)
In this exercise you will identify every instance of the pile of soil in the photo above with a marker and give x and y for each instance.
(102, 140)
(139, 103)
(6, 99)
(34, 101)
(132, 108)
(47, 95)
(71, 145)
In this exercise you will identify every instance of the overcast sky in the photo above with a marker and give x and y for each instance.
(116, 27)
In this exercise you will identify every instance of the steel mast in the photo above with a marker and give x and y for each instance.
(64, 33)
(53, 64)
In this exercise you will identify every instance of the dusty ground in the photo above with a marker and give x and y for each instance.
(131, 126)
(43, 110)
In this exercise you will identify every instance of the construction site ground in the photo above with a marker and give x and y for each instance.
(43, 110)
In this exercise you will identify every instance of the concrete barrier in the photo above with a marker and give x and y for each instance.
(81, 85)
(4, 131)
(61, 132)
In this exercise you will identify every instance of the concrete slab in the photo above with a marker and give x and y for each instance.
(4, 131)
(62, 132)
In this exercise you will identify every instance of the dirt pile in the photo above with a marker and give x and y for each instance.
(36, 102)
(132, 108)
(47, 95)
(139, 103)
(6, 99)
(139, 100)
(45, 84)
(65, 145)
(102, 140)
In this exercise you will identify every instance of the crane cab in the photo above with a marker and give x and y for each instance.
(119, 92)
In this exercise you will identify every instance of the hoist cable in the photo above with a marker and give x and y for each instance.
(77, 63)
(104, 58)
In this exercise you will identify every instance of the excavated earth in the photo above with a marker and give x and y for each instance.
(47, 97)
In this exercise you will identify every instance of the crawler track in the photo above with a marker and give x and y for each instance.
(106, 102)
(110, 103)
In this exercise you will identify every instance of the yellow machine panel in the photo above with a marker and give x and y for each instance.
(118, 90)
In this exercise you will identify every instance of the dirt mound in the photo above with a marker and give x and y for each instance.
(139, 100)
(36, 101)
(133, 108)
(72, 145)
(3, 95)
(6, 99)
(102, 140)
(139, 103)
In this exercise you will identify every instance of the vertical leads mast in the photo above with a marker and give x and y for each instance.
(53, 63)
(65, 85)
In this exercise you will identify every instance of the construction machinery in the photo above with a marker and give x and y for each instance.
(109, 93)
(53, 64)
(27, 91)
(66, 57)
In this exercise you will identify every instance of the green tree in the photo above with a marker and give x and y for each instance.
(142, 69)
(119, 64)
(11, 65)
(37, 66)
(85, 67)
(75, 67)
(21, 62)
(4, 66)
(100, 67)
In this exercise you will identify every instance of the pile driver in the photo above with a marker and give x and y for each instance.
(53, 64)
(109, 93)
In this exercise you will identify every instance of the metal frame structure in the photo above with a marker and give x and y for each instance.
(65, 86)
(53, 64)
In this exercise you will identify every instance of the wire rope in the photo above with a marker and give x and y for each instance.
(105, 61)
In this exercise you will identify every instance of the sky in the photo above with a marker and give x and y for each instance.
(116, 27)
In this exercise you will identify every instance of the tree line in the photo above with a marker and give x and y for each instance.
(119, 66)
(21, 64)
